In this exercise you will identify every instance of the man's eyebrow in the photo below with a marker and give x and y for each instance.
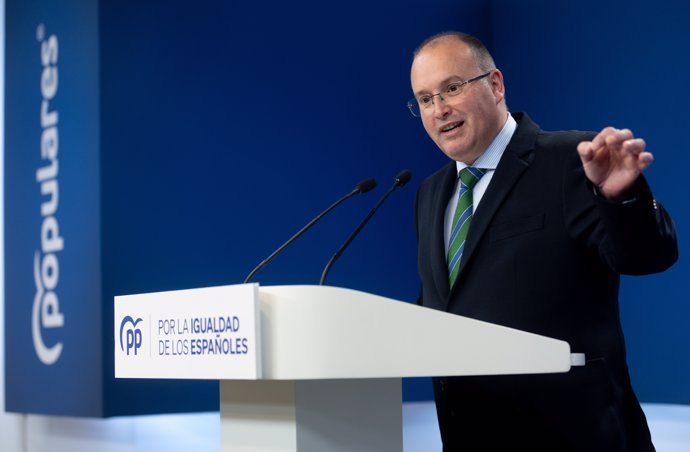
(445, 82)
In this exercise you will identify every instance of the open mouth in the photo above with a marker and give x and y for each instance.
(452, 126)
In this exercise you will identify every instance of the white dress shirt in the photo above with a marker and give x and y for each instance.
(488, 161)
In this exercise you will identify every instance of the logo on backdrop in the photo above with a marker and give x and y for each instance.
(132, 335)
(46, 307)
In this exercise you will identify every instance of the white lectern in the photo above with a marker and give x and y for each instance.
(313, 368)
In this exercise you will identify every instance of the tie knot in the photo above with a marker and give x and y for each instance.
(470, 175)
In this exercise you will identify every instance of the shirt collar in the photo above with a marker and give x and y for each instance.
(490, 158)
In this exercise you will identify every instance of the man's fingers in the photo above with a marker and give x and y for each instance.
(601, 137)
(615, 144)
(584, 148)
(618, 137)
(634, 146)
(644, 160)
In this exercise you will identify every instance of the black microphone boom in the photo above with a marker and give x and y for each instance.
(401, 179)
(363, 187)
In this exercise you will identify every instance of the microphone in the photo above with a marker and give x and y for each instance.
(401, 179)
(363, 187)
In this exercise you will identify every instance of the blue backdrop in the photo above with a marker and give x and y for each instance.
(586, 65)
(222, 127)
(236, 123)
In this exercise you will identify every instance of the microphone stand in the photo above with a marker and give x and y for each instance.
(401, 179)
(362, 187)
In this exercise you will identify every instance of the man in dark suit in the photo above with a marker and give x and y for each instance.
(555, 218)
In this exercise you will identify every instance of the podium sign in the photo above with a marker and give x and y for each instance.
(204, 333)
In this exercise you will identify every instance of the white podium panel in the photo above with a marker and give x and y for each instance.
(363, 415)
(329, 332)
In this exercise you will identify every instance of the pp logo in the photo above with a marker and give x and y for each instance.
(132, 335)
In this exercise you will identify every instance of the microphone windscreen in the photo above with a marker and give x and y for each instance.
(403, 177)
(366, 185)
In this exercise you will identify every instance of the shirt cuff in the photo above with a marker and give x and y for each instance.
(631, 199)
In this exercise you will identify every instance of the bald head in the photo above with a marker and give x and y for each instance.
(480, 53)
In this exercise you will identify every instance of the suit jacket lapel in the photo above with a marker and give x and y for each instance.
(438, 247)
(513, 163)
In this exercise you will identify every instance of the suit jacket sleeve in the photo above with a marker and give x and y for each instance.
(633, 238)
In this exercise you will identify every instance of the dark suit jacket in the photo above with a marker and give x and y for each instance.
(544, 255)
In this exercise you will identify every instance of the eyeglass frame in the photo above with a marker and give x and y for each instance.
(414, 102)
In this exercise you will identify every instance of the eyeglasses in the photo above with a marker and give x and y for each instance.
(425, 101)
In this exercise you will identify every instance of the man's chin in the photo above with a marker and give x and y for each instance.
(460, 154)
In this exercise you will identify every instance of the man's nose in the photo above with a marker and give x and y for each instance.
(440, 106)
